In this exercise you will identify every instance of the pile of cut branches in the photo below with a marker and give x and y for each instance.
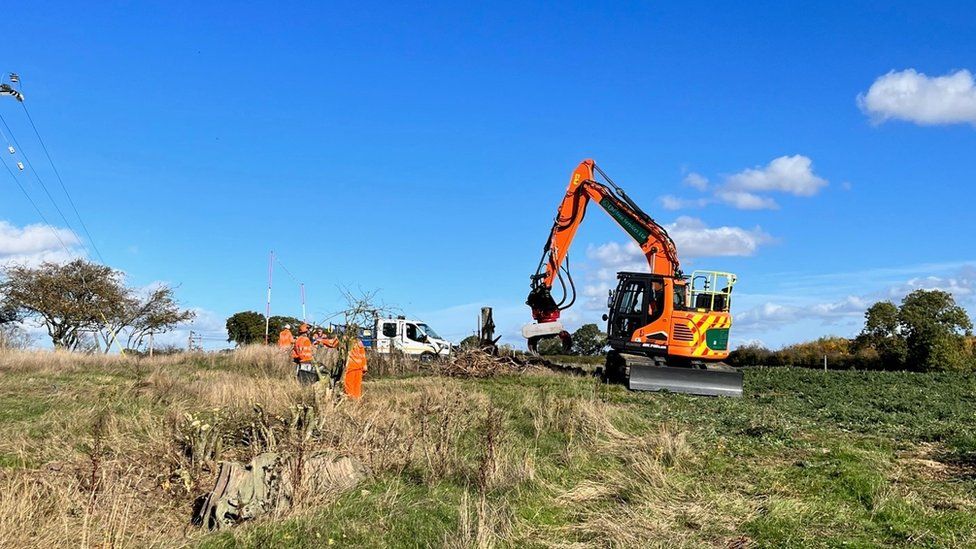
(478, 364)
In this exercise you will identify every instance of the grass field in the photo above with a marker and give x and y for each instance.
(110, 452)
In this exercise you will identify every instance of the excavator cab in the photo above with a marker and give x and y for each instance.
(638, 302)
(672, 333)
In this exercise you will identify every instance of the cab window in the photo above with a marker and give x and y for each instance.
(679, 297)
(655, 305)
(389, 329)
(630, 298)
(415, 334)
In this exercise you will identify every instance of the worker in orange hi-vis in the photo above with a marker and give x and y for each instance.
(301, 353)
(330, 340)
(355, 368)
(285, 339)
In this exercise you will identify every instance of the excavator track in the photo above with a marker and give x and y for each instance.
(640, 373)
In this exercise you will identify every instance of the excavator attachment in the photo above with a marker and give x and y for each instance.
(692, 381)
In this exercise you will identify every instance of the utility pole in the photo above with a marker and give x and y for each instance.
(189, 342)
(267, 310)
(150, 344)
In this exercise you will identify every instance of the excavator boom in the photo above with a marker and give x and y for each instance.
(653, 239)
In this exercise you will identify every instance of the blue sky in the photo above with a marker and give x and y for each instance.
(422, 149)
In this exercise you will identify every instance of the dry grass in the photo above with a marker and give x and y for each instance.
(102, 451)
(127, 442)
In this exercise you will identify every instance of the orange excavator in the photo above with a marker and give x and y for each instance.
(666, 331)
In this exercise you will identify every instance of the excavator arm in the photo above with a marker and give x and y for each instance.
(653, 239)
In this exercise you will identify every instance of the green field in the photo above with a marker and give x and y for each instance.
(806, 458)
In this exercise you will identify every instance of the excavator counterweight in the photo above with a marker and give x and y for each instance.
(666, 331)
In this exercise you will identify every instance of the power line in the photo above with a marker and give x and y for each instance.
(34, 173)
(16, 79)
(48, 224)
(61, 182)
(36, 209)
(280, 264)
(301, 286)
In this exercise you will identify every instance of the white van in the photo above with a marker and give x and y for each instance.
(411, 337)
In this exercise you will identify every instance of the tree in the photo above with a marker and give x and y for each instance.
(13, 336)
(85, 305)
(550, 346)
(470, 342)
(71, 299)
(588, 340)
(245, 327)
(882, 332)
(278, 323)
(8, 314)
(750, 354)
(935, 330)
(927, 332)
(158, 313)
(363, 307)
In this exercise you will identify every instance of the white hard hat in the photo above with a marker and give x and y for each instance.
(288, 326)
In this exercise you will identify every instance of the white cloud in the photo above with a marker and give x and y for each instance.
(788, 174)
(614, 254)
(851, 305)
(695, 239)
(746, 201)
(962, 285)
(32, 239)
(671, 202)
(925, 100)
(34, 244)
(696, 181)
(692, 237)
(768, 315)
(773, 315)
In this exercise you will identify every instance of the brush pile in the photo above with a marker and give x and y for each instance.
(476, 363)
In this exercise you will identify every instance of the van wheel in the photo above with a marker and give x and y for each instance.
(426, 357)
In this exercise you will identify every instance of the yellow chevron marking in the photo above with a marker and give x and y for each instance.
(700, 350)
(695, 334)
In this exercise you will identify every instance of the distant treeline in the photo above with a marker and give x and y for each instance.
(841, 353)
(927, 332)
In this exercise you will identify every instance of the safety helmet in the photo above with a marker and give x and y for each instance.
(288, 326)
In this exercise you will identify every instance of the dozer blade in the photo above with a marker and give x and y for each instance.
(692, 381)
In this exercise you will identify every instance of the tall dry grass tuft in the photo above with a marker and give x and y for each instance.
(261, 361)
(649, 497)
(481, 524)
